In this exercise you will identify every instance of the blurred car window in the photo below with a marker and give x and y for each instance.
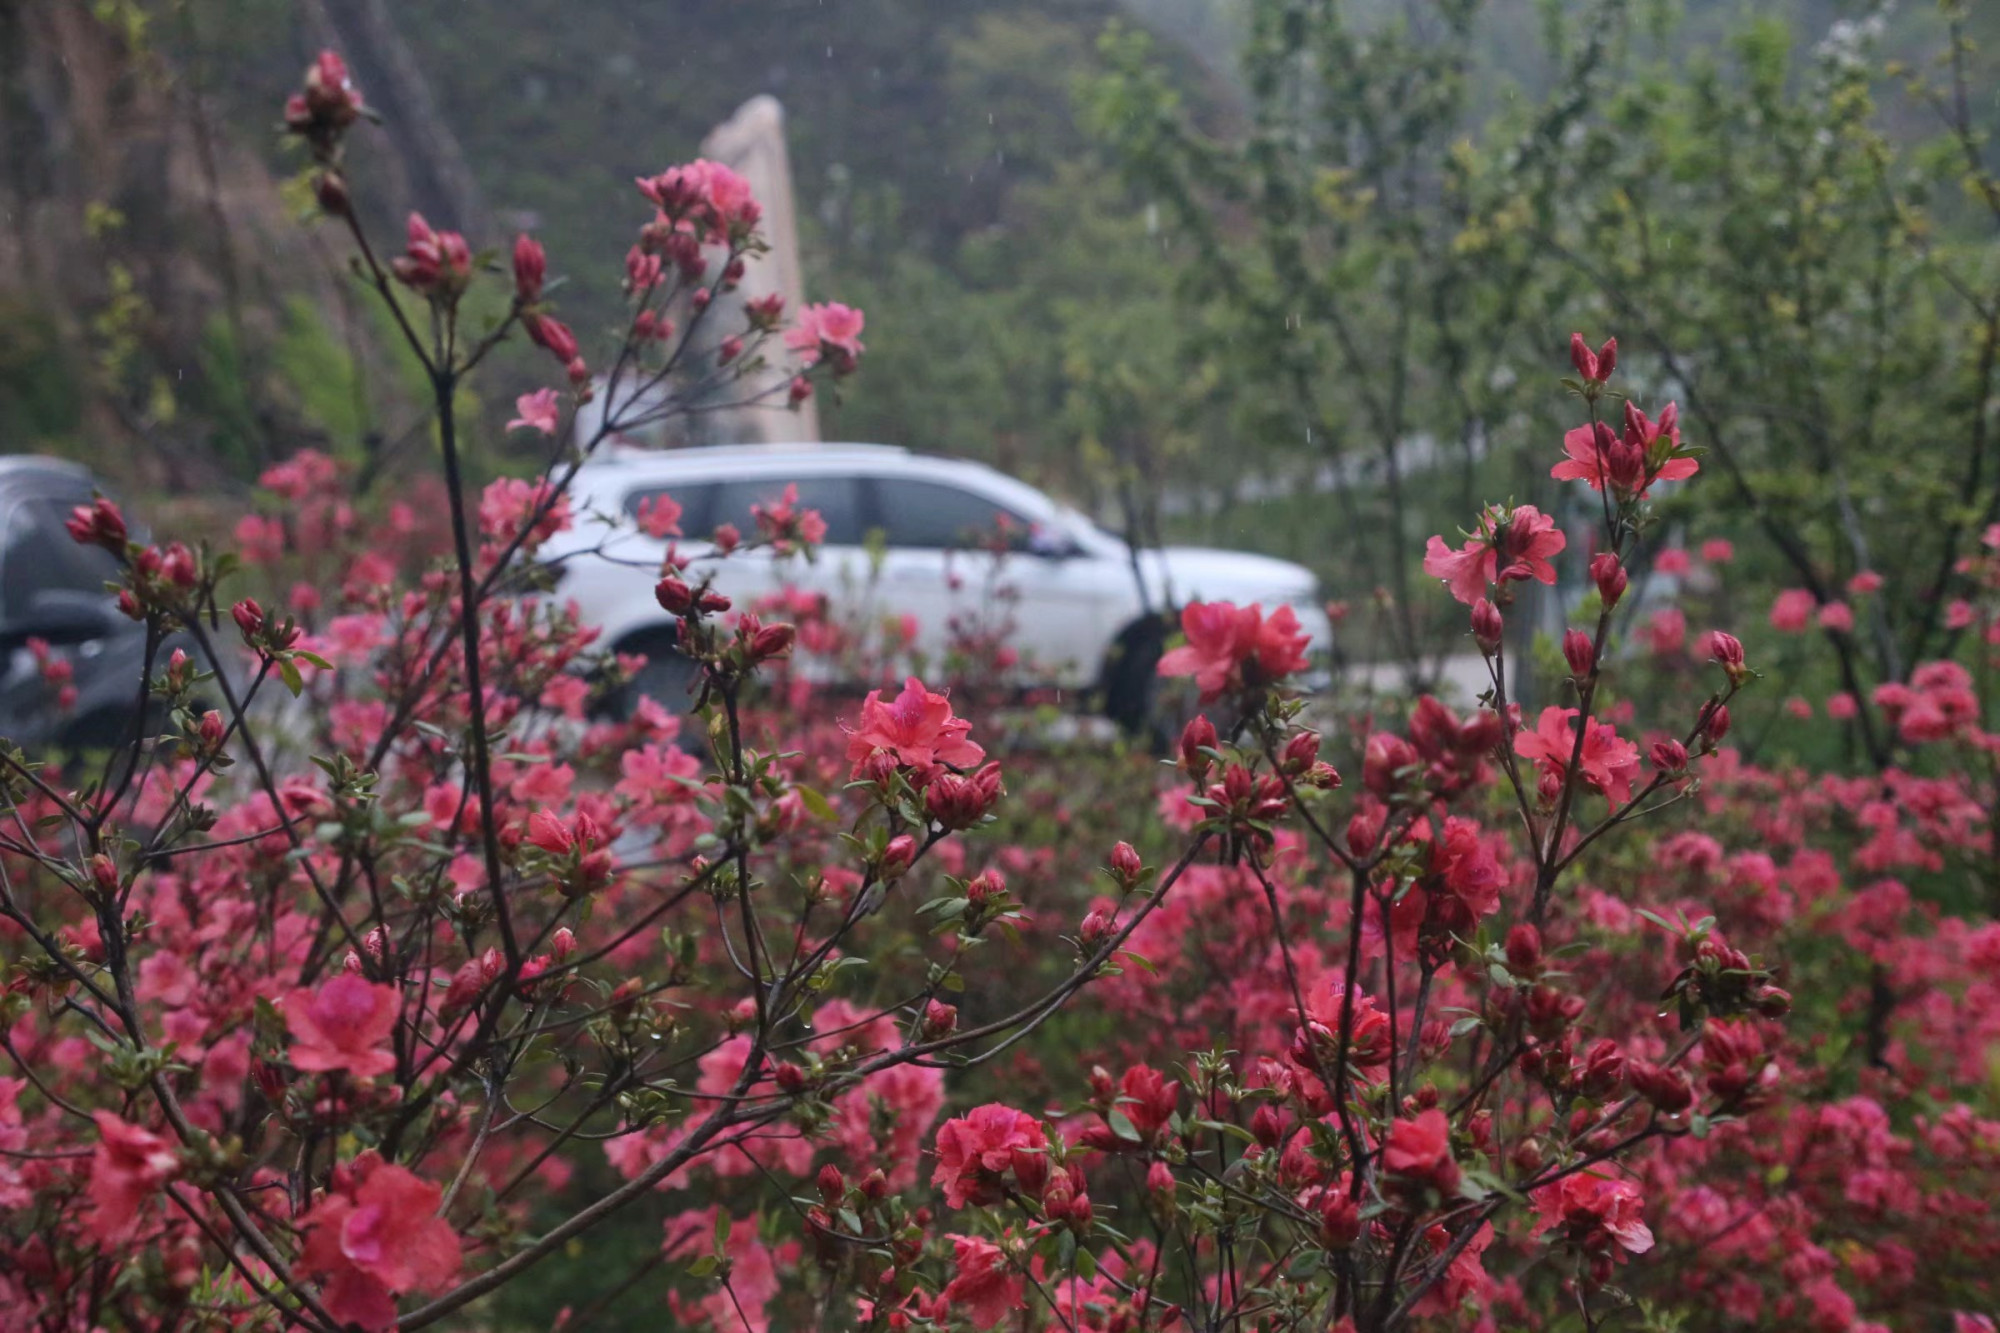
(933, 515)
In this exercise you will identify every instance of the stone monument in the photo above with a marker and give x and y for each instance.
(753, 143)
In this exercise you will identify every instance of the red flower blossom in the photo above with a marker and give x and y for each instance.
(829, 331)
(375, 1236)
(1506, 545)
(1609, 764)
(1419, 1152)
(128, 1166)
(344, 1025)
(984, 1286)
(1228, 646)
(917, 729)
(975, 1150)
(1594, 1212)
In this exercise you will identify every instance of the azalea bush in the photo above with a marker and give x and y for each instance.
(371, 1008)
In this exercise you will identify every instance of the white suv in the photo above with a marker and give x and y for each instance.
(1080, 619)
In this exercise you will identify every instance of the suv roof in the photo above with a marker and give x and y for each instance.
(622, 455)
(15, 467)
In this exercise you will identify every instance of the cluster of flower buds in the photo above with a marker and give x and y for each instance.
(579, 848)
(1246, 801)
(434, 264)
(1299, 760)
(961, 800)
(1665, 1087)
(1741, 1075)
(1596, 1075)
(99, 523)
(263, 633)
(677, 598)
(1723, 982)
(1594, 367)
(323, 109)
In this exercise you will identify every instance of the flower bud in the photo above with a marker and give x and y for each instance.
(531, 268)
(832, 1185)
(772, 641)
(1665, 1087)
(1727, 650)
(1608, 573)
(1301, 752)
(563, 943)
(1581, 357)
(897, 857)
(1160, 1181)
(940, 1020)
(1098, 926)
(1339, 1221)
(1487, 626)
(1197, 736)
(1524, 951)
(1716, 725)
(1126, 865)
(249, 619)
(1579, 652)
(1670, 757)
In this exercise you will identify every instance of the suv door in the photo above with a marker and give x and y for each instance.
(960, 562)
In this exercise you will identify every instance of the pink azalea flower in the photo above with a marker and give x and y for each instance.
(975, 1150)
(984, 1285)
(1229, 645)
(1589, 1207)
(537, 410)
(917, 729)
(830, 330)
(1504, 546)
(128, 1166)
(1791, 610)
(343, 1025)
(374, 1236)
(1609, 764)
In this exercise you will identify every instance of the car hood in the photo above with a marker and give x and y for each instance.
(1200, 573)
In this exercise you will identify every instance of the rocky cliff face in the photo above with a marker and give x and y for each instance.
(148, 263)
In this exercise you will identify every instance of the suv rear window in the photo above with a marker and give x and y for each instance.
(935, 515)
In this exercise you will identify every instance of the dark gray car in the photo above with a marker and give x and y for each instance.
(53, 589)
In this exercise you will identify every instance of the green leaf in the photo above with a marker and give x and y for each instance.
(813, 801)
(1121, 1125)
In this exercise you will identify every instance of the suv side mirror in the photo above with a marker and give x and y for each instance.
(61, 616)
(1053, 544)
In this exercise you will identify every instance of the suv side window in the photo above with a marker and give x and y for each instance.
(696, 499)
(838, 500)
(935, 515)
(37, 555)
